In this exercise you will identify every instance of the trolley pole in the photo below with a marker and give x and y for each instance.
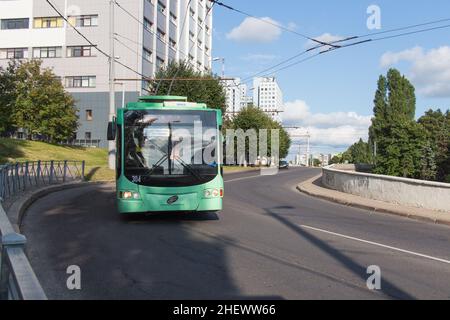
(112, 73)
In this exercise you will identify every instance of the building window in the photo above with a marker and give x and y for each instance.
(14, 53)
(89, 116)
(173, 43)
(87, 136)
(81, 82)
(161, 7)
(191, 35)
(8, 24)
(192, 12)
(159, 62)
(147, 55)
(161, 35)
(173, 17)
(48, 22)
(148, 25)
(47, 52)
(80, 51)
(84, 21)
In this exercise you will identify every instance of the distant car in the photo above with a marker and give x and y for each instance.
(283, 164)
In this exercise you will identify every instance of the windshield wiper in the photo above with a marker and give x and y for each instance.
(184, 164)
(189, 168)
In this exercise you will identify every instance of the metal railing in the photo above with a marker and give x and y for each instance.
(17, 278)
(88, 143)
(19, 177)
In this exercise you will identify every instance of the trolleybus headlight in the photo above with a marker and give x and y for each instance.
(207, 193)
(213, 193)
(127, 195)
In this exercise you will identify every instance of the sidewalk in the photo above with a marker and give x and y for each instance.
(314, 187)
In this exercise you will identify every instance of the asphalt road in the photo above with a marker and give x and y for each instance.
(270, 242)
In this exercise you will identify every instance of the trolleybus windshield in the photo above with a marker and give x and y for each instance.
(170, 148)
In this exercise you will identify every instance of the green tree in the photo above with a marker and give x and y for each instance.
(401, 149)
(437, 127)
(359, 153)
(254, 118)
(316, 162)
(428, 163)
(206, 89)
(42, 107)
(336, 159)
(399, 140)
(7, 97)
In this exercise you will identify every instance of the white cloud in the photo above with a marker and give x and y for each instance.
(255, 30)
(259, 57)
(332, 129)
(429, 71)
(326, 37)
(391, 58)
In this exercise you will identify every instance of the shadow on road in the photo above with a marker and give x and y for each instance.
(91, 173)
(169, 218)
(148, 257)
(388, 288)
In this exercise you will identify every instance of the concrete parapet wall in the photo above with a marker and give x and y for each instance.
(402, 191)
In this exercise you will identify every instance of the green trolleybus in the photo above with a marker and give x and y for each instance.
(168, 156)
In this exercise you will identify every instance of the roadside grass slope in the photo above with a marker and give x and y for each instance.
(19, 150)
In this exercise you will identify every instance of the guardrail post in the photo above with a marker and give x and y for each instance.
(2, 187)
(65, 171)
(25, 176)
(8, 241)
(38, 172)
(83, 165)
(52, 169)
(15, 177)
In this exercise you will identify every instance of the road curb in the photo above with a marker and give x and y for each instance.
(18, 209)
(308, 188)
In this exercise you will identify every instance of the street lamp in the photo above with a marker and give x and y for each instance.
(223, 64)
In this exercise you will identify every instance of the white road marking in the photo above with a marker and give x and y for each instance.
(257, 176)
(243, 178)
(377, 244)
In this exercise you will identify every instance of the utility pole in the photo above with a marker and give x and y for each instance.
(112, 93)
(308, 136)
(308, 151)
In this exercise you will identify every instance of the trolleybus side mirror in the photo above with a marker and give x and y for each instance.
(111, 131)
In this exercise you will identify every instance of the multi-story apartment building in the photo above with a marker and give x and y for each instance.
(148, 35)
(236, 96)
(268, 96)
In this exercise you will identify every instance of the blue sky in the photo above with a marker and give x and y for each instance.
(332, 94)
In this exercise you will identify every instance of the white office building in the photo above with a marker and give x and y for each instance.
(268, 96)
(148, 35)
